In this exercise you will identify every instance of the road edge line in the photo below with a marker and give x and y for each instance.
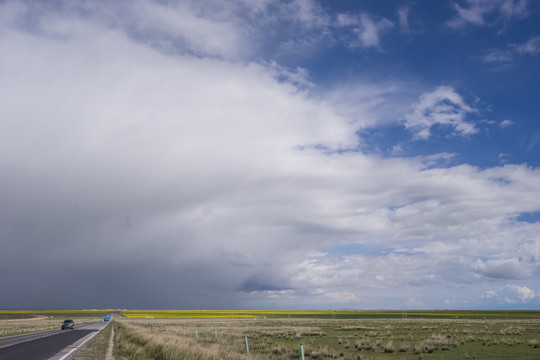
(81, 344)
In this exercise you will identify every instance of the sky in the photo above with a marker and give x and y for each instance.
(265, 154)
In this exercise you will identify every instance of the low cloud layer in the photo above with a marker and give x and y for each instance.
(140, 176)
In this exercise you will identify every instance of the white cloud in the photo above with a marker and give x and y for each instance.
(298, 77)
(203, 28)
(437, 160)
(511, 294)
(506, 123)
(514, 9)
(473, 15)
(531, 46)
(180, 22)
(272, 294)
(341, 297)
(504, 157)
(497, 56)
(533, 141)
(442, 106)
(484, 12)
(237, 29)
(304, 28)
(367, 28)
(412, 301)
(365, 102)
(508, 53)
(503, 269)
(403, 15)
(307, 11)
(524, 293)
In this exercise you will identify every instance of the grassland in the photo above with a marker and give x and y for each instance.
(324, 338)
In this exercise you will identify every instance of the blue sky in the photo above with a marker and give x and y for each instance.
(270, 154)
(481, 61)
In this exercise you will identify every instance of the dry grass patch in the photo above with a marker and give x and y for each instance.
(139, 342)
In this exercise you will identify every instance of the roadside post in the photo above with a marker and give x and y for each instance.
(247, 347)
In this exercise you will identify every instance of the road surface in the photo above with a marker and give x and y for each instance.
(48, 345)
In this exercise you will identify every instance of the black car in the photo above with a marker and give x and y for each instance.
(68, 324)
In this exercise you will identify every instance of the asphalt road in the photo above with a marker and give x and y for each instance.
(52, 344)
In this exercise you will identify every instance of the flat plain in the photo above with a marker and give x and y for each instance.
(346, 334)
(327, 335)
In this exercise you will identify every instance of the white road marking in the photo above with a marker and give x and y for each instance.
(66, 356)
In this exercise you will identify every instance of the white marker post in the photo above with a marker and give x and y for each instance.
(302, 351)
(196, 334)
(247, 347)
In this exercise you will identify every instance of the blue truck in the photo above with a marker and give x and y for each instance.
(106, 318)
